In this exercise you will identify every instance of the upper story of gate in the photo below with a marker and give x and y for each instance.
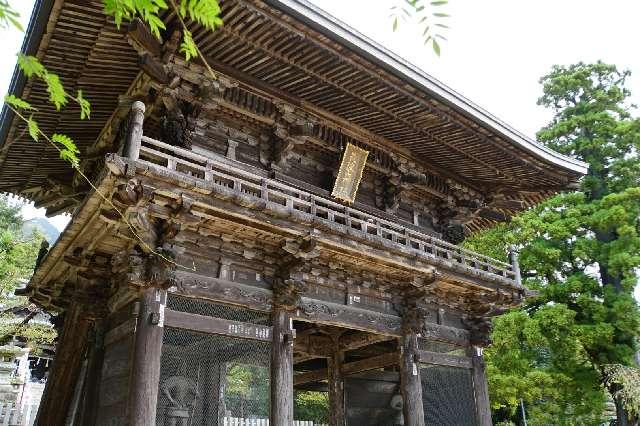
(289, 90)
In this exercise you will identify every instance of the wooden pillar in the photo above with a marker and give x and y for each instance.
(336, 388)
(65, 370)
(134, 133)
(480, 388)
(145, 374)
(91, 394)
(411, 386)
(281, 369)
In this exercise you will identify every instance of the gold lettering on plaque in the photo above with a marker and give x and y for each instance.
(350, 173)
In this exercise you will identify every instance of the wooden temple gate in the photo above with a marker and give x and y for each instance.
(169, 336)
(289, 224)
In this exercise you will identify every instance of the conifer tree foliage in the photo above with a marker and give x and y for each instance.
(18, 253)
(581, 252)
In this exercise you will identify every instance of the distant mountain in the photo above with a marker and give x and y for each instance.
(43, 226)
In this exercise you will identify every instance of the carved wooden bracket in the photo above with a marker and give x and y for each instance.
(178, 121)
(287, 291)
(413, 313)
(479, 329)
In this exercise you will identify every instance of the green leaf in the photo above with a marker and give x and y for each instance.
(57, 95)
(188, 46)
(34, 130)
(30, 66)
(8, 16)
(18, 103)
(439, 3)
(441, 15)
(395, 23)
(85, 106)
(65, 141)
(436, 47)
(68, 151)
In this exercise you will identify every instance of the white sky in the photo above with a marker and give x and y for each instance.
(495, 53)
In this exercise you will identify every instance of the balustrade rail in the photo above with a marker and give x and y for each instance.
(225, 175)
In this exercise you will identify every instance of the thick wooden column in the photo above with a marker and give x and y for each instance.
(480, 388)
(145, 374)
(89, 409)
(281, 369)
(65, 371)
(411, 386)
(336, 387)
(413, 323)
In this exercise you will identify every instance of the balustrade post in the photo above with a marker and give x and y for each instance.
(133, 139)
(515, 264)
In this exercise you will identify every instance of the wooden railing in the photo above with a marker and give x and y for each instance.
(225, 175)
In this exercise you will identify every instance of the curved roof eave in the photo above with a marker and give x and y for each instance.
(331, 27)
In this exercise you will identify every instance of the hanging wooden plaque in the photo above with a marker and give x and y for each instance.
(350, 173)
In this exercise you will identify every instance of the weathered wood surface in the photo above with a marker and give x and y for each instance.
(281, 370)
(410, 383)
(91, 392)
(145, 374)
(446, 360)
(335, 379)
(212, 325)
(65, 371)
(321, 312)
(480, 388)
(133, 138)
(248, 184)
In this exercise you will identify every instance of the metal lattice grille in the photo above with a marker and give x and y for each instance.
(210, 379)
(203, 307)
(447, 396)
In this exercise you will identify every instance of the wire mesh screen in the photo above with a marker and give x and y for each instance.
(447, 396)
(209, 379)
(203, 307)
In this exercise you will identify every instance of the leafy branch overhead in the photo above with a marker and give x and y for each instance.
(429, 16)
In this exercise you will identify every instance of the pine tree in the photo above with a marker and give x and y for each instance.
(581, 252)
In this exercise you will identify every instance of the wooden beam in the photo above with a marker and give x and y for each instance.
(380, 361)
(281, 413)
(153, 68)
(410, 384)
(373, 363)
(145, 374)
(384, 326)
(446, 360)
(212, 325)
(140, 34)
